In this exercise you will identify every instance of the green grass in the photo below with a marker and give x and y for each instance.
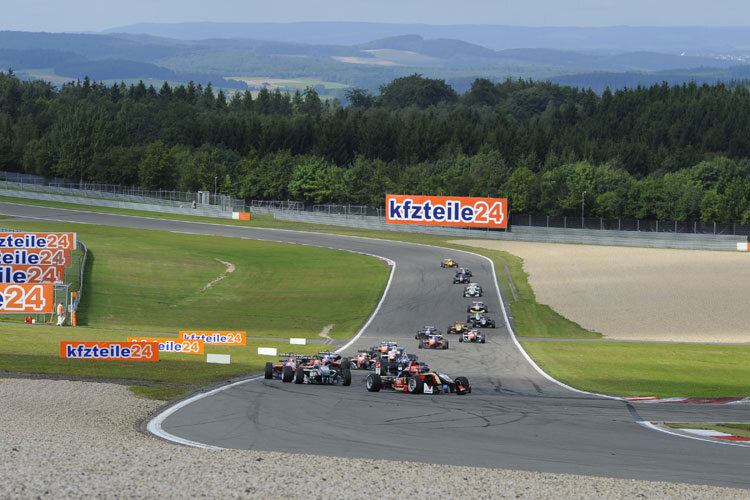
(153, 280)
(742, 430)
(158, 392)
(660, 370)
(30, 349)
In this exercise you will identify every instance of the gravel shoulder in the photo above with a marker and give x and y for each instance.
(66, 439)
(640, 293)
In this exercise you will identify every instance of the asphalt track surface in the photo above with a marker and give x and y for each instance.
(514, 419)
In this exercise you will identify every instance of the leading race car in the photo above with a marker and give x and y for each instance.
(427, 382)
(324, 370)
(473, 290)
(464, 270)
(383, 348)
(480, 321)
(433, 342)
(458, 327)
(477, 307)
(449, 262)
(472, 336)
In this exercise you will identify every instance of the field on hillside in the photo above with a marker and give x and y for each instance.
(166, 282)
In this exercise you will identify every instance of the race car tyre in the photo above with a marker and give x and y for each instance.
(481, 341)
(346, 363)
(461, 338)
(346, 375)
(373, 382)
(415, 385)
(420, 346)
(287, 374)
(299, 376)
(464, 382)
(269, 371)
(446, 345)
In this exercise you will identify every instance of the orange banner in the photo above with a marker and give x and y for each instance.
(52, 241)
(446, 211)
(220, 338)
(34, 257)
(113, 351)
(27, 298)
(31, 274)
(174, 345)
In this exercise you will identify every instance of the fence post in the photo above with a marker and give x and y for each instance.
(529, 220)
(638, 225)
(565, 222)
(657, 225)
(601, 223)
(714, 228)
(619, 224)
(675, 227)
(548, 221)
(734, 225)
(695, 226)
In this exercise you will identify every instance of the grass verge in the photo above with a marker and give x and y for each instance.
(36, 350)
(155, 281)
(158, 392)
(660, 370)
(742, 430)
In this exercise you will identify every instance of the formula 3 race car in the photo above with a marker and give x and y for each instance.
(365, 360)
(449, 262)
(285, 369)
(461, 278)
(427, 330)
(425, 382)
(472, 336)
(473, 290)
(433, 342)
(477, 307)
(458, 327)
(480, 321)
(324, 370)
(464, 270)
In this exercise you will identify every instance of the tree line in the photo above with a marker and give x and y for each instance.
(667, 152)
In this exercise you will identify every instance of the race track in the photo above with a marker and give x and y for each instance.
(515, 418)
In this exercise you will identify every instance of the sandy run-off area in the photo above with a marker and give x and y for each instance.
(640, 293)
(65, 439)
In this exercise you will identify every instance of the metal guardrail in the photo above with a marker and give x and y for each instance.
(203, 210)
(547, 235)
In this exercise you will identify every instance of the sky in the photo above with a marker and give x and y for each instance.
(89, 15)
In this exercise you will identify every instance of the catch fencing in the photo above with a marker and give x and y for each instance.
(559, 230)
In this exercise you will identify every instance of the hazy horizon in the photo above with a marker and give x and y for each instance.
(87, 15)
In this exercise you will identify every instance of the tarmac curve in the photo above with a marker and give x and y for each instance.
(515, 418)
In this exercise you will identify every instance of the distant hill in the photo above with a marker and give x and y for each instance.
(614, 38)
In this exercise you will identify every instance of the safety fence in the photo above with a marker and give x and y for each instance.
(529, 233)
(56, 185)
(68, 292)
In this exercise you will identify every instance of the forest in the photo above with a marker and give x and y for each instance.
(660, 152)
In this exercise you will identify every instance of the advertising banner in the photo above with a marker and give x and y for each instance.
(220, 338)
(174, 345)
(31, 274)
(446, 211)
(53, 241)
(27, 298)
(112, 351)
(35, 257)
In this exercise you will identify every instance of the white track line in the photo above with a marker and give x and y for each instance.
(653, 427)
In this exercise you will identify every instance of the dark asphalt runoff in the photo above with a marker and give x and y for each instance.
(514, 419)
